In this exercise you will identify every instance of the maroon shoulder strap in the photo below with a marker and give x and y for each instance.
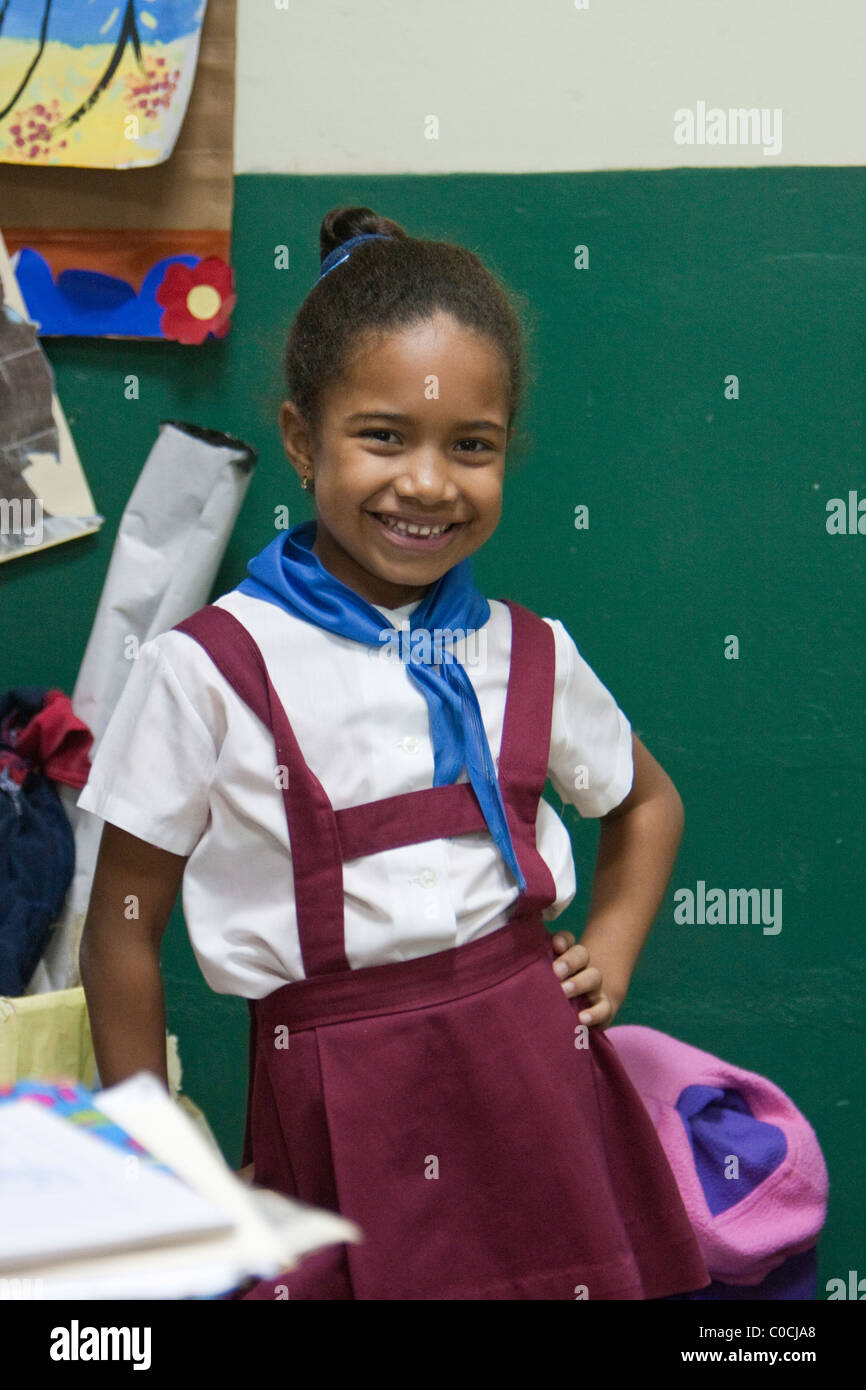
(316, 856)
(525, 750)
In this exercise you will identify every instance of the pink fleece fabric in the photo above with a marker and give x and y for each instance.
(780, 1217)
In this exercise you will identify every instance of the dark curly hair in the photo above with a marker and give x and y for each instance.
(392, 284)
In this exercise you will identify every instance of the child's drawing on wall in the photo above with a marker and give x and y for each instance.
(94, 83)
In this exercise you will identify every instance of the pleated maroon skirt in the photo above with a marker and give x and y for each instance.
(488, 1145)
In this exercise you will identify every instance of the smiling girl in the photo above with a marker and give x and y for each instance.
(365, 853)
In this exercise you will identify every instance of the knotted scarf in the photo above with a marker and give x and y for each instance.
(287, 573)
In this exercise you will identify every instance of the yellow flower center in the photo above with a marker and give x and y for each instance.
(203, 301)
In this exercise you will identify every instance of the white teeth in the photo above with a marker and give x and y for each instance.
(406, 528)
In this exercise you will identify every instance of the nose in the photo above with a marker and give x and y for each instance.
(426, 476)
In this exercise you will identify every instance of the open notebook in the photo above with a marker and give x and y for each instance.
(90, 1215)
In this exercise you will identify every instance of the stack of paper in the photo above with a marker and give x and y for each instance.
(81, 1218)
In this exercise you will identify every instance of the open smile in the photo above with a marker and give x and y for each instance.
(415, 535)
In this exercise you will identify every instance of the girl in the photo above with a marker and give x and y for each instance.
(367, 856)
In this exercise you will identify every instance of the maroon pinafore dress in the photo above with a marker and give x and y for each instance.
(488, 1145)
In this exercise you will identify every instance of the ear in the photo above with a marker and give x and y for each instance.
(297, 438)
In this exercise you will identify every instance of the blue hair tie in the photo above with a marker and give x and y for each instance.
(344, 250)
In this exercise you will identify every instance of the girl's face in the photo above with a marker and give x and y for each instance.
(415, 433)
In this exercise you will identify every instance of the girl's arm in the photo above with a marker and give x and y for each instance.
(638, 846)
(134, 889)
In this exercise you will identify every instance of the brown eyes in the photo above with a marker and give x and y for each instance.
(371, 434)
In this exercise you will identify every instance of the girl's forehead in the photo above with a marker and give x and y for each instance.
(430, 367)
(439, 328)
(469, 358)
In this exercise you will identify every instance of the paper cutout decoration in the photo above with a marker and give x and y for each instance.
(44, 497)
(98, 84)
(197, 301)
(180, 298)
(103, 253)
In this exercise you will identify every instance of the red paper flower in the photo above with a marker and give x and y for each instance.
(197, 300)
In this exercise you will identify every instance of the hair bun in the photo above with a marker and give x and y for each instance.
(340, 224)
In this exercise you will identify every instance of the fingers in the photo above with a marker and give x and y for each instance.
(579, 978)
(599, 1014)
(573, 959)
(574, 969)
(584, 982)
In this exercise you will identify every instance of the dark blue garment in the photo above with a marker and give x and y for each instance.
(37, 849)
(796, 1278)
(719, 1123)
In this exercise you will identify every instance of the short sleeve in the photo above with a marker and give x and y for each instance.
(591, 764)
(152, 770)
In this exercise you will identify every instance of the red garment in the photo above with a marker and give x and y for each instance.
(57, 742)
(444, 1103)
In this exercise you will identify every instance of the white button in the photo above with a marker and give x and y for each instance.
(411, 744)
(426, 878)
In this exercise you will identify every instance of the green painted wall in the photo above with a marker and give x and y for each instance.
(707, 518)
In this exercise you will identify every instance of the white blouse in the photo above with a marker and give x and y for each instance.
(186, 765)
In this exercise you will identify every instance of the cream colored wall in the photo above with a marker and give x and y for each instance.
(404, 86)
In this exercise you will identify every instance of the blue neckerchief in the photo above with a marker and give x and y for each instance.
(288, 574)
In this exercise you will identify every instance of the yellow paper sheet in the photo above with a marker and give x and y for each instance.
(46, 1037)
